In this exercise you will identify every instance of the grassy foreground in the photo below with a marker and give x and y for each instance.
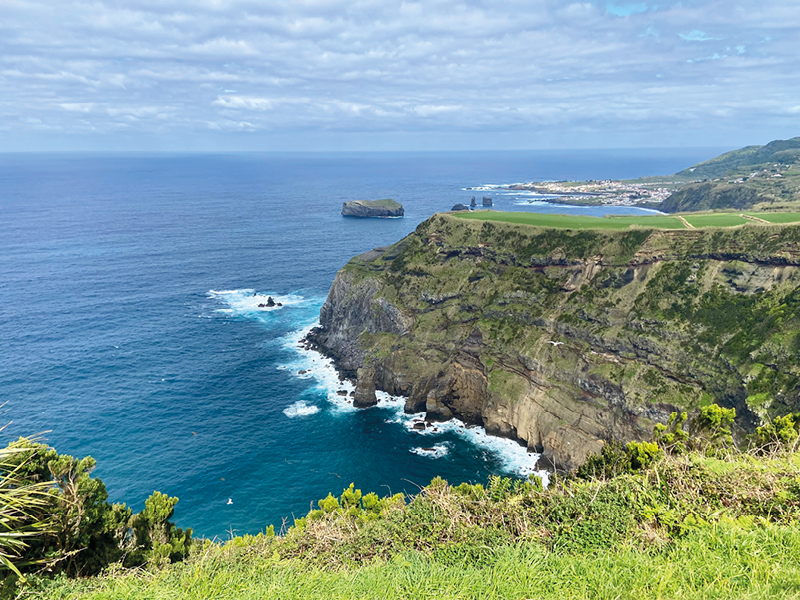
(688, 526)
(724, 561)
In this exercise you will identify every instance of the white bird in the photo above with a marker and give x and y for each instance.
(554, 343)
(230, 500)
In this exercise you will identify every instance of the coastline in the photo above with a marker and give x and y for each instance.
(516, 456)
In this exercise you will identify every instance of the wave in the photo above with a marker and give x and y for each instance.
(437, 451)
(310, 364)
(246, 301)
(300, 409)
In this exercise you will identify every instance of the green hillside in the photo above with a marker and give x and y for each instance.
(785, 152)
(756, 176)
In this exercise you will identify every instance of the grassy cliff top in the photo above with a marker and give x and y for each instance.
(695, 220)
(383, 203)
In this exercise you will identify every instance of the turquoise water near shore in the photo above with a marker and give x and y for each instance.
(130, 330)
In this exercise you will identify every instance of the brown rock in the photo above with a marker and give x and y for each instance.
(365, 389)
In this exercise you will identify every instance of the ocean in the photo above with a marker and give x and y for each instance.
(131, 332)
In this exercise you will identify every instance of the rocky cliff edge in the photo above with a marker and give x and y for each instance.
(565, 339)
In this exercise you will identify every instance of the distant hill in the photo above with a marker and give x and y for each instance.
(786, 152)
(740, 179)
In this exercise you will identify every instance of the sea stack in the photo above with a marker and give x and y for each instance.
(487, 201)
(372, 208)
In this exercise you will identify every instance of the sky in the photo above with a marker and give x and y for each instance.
(276, 75)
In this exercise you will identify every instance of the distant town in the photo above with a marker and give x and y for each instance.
(617, 193)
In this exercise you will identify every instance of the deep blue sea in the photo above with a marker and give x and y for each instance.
(130, 327)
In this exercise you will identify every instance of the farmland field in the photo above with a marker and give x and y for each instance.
(789, 217)
(574, 221)
(715, 220)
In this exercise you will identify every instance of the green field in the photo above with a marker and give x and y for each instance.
(789, 217)
(574, 221)
(716, 220)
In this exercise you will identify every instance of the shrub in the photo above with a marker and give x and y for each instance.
(781, 433)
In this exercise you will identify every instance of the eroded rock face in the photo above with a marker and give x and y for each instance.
(372, 209)
(365, 389)
(564, 340)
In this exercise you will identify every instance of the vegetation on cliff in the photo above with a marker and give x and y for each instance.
(568, 338)
(695, 519)
(59, 520)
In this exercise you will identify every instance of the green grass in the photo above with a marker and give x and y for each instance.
(715, 220)
(788, 217)
(574, 221)
(723, 561)
(384, 203)
(689, 526)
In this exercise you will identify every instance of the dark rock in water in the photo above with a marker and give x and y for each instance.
(270, 302)
(302, 372)
(365, 389)
(372, 208)
(342, 392)
(487, 201)
(460, 206)
(419, 425)
(279, 304)
(472, 202)
(429, 449)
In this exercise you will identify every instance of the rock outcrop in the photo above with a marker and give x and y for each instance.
(566, 339)
(459, 206)
(372, 208)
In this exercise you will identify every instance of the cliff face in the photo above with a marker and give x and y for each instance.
(565, 339)
(372, 208)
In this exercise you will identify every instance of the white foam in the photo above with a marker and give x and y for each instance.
(312, 365)
(300, 409)
(246, 301)
(437, 451)
(513, 457)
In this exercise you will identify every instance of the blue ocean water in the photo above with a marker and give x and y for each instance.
(130, 329)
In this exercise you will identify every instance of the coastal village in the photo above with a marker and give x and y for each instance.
(615, 193)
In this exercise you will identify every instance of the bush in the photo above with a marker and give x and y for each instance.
(782, 433)
(615, 459)
(87, 533)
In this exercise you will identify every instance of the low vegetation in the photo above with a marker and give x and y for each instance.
(684, 516)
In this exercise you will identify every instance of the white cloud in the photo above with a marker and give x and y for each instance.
(540, 66)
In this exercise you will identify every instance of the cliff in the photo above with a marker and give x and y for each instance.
(372, 208)
(565, 339)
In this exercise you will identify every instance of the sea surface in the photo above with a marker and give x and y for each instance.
(130, 328)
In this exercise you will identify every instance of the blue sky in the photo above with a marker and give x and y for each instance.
(367, 74)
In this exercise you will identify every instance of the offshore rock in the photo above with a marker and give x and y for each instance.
(567, 339)
(372, 208)
(459, 206)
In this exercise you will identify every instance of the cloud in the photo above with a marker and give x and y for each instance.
(584, 72)
(697, 36)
